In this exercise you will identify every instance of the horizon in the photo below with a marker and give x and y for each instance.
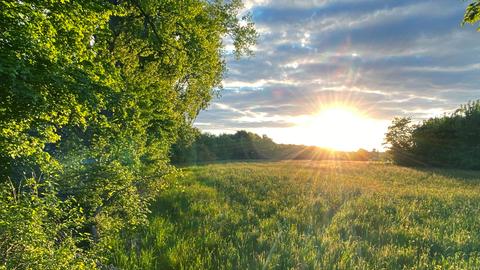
(367, 61)
(296, 144)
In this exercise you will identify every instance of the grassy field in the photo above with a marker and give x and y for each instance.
(311, 215)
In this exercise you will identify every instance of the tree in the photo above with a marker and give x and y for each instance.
(451, 140)
(93, 93)
(399, 141)
(362, 155)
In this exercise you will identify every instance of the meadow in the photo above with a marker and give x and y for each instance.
(310, 215)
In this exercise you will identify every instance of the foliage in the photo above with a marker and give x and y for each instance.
(472, 13)
(311, 215)
(92, 95)
(448, 141)
(208, 147)
(399, 141)
(39, 231)
(452, 140)
(244, 145)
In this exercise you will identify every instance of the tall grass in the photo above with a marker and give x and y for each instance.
(310, 215)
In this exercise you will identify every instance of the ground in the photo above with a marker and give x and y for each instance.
(311, 215)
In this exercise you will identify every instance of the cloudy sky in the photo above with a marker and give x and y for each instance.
(379, 58)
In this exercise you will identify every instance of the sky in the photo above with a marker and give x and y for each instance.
(334, 73)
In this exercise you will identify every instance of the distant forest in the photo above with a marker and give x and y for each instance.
(245, 145)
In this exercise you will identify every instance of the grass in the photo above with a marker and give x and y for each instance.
(311, 215)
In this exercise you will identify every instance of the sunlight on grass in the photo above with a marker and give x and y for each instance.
(311, 215)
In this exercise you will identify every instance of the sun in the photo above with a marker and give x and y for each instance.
(343, 128)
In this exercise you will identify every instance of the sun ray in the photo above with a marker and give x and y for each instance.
(342, 127)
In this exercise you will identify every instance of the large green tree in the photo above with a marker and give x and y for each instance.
(92, 95)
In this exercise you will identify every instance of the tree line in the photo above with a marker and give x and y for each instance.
(451, 140)
(244, 145)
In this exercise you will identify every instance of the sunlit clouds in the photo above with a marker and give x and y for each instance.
(372, 60)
